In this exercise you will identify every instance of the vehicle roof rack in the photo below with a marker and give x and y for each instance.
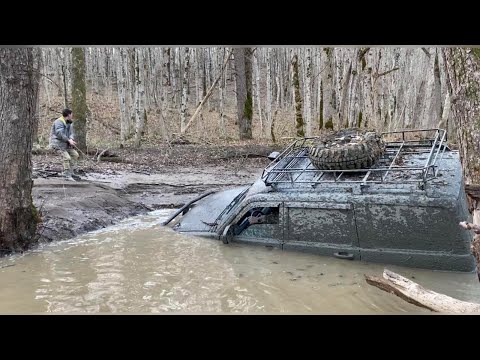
(411, 156)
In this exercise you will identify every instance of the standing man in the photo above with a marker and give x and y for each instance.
(61, 140)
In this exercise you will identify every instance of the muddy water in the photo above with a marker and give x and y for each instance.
(139, 266)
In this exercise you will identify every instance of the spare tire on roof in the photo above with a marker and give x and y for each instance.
(347, 149)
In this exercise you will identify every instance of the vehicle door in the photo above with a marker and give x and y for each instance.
(321, 227)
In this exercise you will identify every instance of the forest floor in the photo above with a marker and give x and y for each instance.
(127, 182)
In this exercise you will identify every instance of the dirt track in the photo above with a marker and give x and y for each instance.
(110, 192)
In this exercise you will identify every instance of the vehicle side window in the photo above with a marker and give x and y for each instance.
(265, 215)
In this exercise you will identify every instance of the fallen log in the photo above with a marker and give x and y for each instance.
(41, 151)
(242, 156)
(415, 294)
(115, 159)
(45, 173)
(101, 154)
(105, 153)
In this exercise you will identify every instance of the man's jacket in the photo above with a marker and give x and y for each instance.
(60, 133)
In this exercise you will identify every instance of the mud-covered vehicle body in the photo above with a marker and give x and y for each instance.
(403, 210)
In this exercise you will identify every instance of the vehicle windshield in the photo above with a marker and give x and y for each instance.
(232, 204)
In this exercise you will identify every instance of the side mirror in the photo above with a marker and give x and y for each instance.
(227, 235)
(273, 155)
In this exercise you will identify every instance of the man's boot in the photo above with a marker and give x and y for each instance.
(76, 174)
(67, 175)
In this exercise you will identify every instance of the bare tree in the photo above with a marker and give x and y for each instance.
(140, 113)
(184, 102)
(174, 70)
(256, 65)
(278, 81)
(344, 97)
(197, 67)
(308, 92)
(208, 72)
(19, 84)
(268, 105)
(222, 88)
(243, 72)
(165, 84)
(299, 123)
(327, 87)
(122, 94)
(79, 97)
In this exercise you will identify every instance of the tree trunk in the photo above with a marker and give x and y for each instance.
(299, 124)
(174, 76)
(139, 97)
(256, 65)
(272, 127)
(278, 75)
(463, 79)
(208, 73)
(122, 94)
(308, 92)
(149, 67)
(19, 84)
(197, 67)
(65, 91)
(279, 79)
(327, 87)
(342, 113)
(268, 105)
(165, 84)
(184, 107)
(463, 70)
(157, 75)
(46, 79)
(131, 71)
(434, 109)
(63, 70)
(243, 72)
(222, 97)
(167, 66)
(79, 97)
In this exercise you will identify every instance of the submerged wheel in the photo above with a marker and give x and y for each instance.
(347, 150)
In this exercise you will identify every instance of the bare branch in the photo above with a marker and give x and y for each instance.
(377, 75)
(101, 154)
(470, 226)
(46, 77)
(227, 57)
(426, 52)
(362, 53)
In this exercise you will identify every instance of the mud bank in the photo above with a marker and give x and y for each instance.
(70, 208)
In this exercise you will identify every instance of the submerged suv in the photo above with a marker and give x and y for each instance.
(403, 209)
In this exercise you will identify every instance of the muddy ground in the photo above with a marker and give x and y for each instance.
(124, 182)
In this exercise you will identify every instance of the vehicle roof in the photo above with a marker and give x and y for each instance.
(406, 166)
